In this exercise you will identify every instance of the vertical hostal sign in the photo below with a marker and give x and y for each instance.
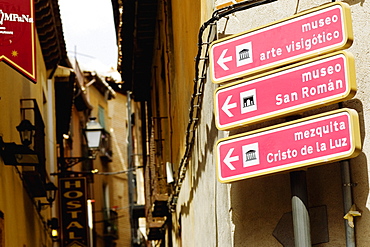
(73, 199)
(17, 36)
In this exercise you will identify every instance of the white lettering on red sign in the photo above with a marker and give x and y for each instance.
(288, 41)
(321, 81)
(329, 137)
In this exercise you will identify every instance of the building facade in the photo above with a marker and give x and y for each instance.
(88, 204)
(168, 65)
(26, 167)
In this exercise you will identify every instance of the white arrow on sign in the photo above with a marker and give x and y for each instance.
(222, 60)
(228, 159)
(227, 106)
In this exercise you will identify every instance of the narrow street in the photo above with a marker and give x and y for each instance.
(219, 123)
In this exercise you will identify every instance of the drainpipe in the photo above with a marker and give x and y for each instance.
(347, 197)
(347, 201)
(51, 140)
(130, 175)
(50, 123)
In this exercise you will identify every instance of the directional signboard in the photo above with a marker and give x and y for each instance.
(315, 140)
(302, 86)
(307, 34)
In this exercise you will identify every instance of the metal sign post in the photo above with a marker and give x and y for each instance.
(301, 219)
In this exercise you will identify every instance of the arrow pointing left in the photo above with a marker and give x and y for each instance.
(222, 60)
(228, 159)
(227, 106)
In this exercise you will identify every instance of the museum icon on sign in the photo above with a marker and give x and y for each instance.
(243, 54)
(248, 101)
(250, 155)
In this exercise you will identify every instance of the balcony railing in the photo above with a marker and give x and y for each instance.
(111, 224)
(106, 147)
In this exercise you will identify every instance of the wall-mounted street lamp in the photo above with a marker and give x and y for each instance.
(26, 132)
(53, 224)
(93, 133)
(14, 154)
(51, 191)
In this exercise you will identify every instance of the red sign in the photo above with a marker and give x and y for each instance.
(308, 34)
(17, 36)
(296, 88)
(311, 141)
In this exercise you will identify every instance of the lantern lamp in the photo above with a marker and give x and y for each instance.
(51, 191)
(93, 133)
(26, 131)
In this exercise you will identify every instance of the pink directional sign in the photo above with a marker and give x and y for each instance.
(307, 34)
(311, 141)
(325, 80)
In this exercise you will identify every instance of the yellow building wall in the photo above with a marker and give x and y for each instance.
(118, 184)
(96, 99)
(174, 71)
(185, 24)
(173, 87)
(23, 226)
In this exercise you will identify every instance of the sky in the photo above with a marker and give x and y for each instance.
(89, 33)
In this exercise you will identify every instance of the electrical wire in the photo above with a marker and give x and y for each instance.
(118, 172)
(110, 219)
(199, 83)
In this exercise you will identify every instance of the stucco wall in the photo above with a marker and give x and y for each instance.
(118, 183)
(23, 225)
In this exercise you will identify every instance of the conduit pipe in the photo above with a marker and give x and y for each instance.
(347, 198)
(193, 122)
(347, 201)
